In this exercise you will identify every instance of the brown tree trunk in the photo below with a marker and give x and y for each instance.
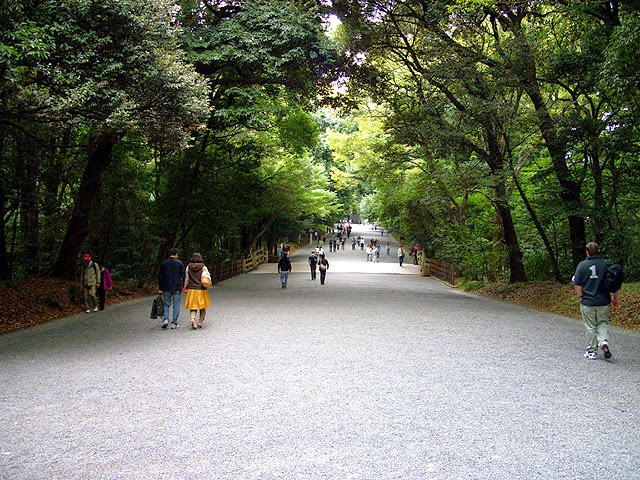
(496, 162)
(78, 226)
(570, 187)
(543, 235)
(5, 272)
(29, 210)
(516, 267)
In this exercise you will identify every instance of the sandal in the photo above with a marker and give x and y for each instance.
(199, 324)
(193, 325)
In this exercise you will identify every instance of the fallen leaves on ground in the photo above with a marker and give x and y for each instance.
(562, 299)
(25, 303)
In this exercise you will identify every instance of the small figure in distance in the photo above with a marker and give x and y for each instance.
(400, 255)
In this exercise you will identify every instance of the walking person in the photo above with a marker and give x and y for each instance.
(388, 248)
(369, 252)
(323, 266)
(90, 280)
(313, 263)
(106, 284)
(400, 255)
(414, 253)
(284, 267)
(594, 301)
(197, 295)
(170, 284)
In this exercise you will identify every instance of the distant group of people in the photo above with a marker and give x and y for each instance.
(317, 259)
(373, 251)
(344, 229)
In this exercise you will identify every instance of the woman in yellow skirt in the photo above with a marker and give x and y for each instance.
(197, 295)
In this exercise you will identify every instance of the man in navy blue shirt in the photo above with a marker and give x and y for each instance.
(594, 301)
(170, 281)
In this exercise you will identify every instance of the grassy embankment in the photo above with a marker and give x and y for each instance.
(561, 299)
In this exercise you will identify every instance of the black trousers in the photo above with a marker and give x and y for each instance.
(101, 292)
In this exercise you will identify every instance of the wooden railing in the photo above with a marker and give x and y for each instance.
(255, 259)
(441, 269)
(231, 268)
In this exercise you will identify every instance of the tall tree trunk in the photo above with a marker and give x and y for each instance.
(175, 209)
(536, 221)
(516, 266)
(78, 226)
(5, 272)
(570, 187)
(52, 186)
(496, 162)
(600, 209)
(29, 210)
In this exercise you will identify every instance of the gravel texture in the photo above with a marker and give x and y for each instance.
(378, 374)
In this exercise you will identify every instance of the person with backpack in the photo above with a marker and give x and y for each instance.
(596, 294)
(323, 265)
(90, 280)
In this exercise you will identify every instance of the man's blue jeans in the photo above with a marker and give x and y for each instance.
(284, 276)
(170, 298)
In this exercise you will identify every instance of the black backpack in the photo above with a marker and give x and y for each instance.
(613, 277)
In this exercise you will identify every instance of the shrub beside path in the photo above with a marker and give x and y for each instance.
(380, 373)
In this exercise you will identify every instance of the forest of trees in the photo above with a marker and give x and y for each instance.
(500, 135)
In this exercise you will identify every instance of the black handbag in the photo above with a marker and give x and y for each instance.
(157, 308)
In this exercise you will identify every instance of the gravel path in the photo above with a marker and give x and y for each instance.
(379, 374)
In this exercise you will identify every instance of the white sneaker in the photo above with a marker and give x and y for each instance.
(88, 310)
(95, 309)
(605, 349)
(591, 355)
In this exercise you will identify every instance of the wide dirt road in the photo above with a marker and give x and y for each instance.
(378, 374)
